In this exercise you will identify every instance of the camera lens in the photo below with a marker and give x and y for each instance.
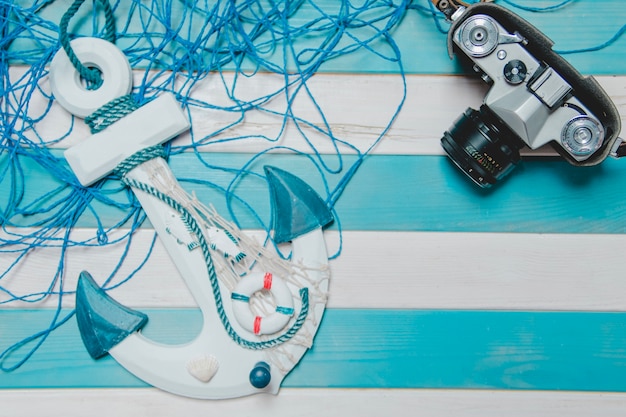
(482, 146)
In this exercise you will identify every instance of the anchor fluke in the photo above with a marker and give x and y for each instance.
(296, 208)
(102, 321)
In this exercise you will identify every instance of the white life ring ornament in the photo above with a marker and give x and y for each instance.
(262, 325)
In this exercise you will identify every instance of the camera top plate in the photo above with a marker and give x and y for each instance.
(585, 88)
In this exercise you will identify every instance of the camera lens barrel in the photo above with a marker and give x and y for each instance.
(482, 146)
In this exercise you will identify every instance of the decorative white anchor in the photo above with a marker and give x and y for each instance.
(239, 351)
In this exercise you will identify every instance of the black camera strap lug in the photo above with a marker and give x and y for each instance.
(450, 7)
(453, 8)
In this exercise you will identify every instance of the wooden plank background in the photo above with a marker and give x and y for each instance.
(445, 299)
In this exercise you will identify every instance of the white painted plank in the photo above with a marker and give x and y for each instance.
(357, 109)
(420, 270)
(314, 402)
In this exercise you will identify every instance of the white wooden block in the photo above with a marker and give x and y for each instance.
(152, 124)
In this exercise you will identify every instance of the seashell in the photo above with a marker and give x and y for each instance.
(203, 368)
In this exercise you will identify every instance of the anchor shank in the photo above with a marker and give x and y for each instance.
(190, 263)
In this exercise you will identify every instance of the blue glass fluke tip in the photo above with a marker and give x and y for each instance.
(296, 208)
(102, 321)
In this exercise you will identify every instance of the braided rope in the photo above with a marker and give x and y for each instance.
(120, 107)
(139, 158)
(111, 112)
(195, 228)
(90, 75)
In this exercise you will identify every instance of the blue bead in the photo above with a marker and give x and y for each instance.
(260, 375)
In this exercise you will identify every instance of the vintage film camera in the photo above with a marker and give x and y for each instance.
(536, 97)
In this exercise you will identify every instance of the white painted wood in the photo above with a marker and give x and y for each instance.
(419, 270)
(313, 402)
(357, 109)
(375, 270)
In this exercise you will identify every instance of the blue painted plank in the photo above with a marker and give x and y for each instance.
(379, 349)
(408, 193)
(421, 45)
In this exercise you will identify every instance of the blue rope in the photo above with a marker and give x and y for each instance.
(603, 45)
(174, 46)
(91, 75)
(556, 6)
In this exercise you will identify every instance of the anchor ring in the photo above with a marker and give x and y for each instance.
(66, 83)
(256, 324)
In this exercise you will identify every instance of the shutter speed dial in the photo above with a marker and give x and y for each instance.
(515, 71)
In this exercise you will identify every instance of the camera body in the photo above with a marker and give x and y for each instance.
(536, 98)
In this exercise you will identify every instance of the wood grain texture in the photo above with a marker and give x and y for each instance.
(372, 348)
(521, 287)
(540, 196)
(356, 107)
(421, 46)
(311, 402)
(392, 270)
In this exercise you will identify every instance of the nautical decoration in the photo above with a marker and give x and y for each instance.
(241, 360)
(27, 139)
(196, 52)
(271, 323)
(203, 368)
(231, 356)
